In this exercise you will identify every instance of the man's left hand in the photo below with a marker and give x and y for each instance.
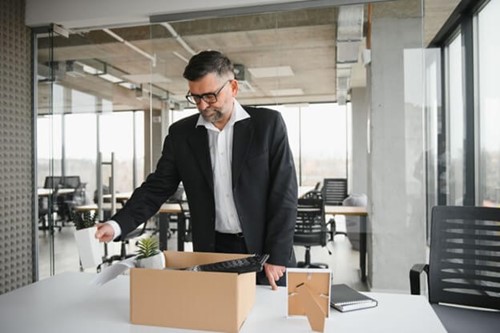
(274, 273)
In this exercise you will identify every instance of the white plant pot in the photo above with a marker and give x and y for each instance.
(89, 247)
(155, 262)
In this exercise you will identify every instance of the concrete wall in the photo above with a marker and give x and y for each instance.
(16, 150)
(396, 188)
(359, 152)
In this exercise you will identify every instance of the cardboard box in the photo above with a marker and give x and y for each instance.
(193, 300)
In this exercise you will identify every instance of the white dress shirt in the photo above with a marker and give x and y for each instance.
(221, 154)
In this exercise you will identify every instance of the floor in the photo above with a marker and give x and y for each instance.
(343, 261)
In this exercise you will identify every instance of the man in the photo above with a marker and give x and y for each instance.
(237, 170)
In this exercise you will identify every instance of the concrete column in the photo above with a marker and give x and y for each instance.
(396, 187)
(359, 148)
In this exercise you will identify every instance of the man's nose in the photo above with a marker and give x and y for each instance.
(202, 105)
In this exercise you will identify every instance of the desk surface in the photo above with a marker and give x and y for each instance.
(172, 208)
(48, 191)
(68, 303)
(346, 210)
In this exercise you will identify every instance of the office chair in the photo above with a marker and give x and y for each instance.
(67, 201)
(310, 229)
(334, 192)
(177, 198)
(46, 207)
(52, 182)
(188, 234)
(315, 193)
(464, 268)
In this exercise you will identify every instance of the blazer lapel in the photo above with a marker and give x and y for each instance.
(199, 144)
(242, 140)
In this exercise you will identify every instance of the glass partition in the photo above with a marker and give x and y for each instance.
(117, 90)
(85, 105)
(456, 124)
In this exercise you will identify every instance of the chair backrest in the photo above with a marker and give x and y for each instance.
(334, 191)
(71, 182)
(313, 194)
(52, 182)
(310, 227)
(464, 266)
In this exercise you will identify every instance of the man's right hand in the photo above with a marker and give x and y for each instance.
(105, 232)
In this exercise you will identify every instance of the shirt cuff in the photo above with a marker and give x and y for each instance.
(116, 228)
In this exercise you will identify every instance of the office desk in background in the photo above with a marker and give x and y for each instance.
(363, 228)
(169, 209)
(165, 211)
(82, 308)
(45, 192)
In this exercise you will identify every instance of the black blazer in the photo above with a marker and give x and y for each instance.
(263, 177)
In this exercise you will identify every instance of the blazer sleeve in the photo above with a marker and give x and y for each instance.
(281, 210)
(147, 199)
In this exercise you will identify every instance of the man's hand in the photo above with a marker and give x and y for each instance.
(105, 232)
(274, 273)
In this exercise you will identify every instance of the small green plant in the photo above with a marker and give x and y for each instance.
(147, 247)
(84, 220)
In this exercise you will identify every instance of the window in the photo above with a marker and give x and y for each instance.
(489, 105)
(456, 124)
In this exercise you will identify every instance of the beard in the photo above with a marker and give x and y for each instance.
(211, 115)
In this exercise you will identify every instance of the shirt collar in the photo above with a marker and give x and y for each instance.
(238, 114)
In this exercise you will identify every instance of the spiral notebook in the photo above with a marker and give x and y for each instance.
(344, 298)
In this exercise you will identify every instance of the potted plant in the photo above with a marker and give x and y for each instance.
(88, 246)
(149, 254)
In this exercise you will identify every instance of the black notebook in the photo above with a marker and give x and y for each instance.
(344, 298)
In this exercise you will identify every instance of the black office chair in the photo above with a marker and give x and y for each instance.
(464, 268)
(67, 201)
(315, 193)
(310, 229)
(52, 182)
(46, 207)
(177, 198)
(334, 192)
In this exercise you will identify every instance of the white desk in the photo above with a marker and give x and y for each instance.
(45, 192)
(68, 303)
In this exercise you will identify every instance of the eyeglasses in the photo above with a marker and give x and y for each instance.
(208, 98)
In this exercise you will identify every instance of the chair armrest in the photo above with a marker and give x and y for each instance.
(415, 272)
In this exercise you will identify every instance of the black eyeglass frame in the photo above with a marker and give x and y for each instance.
(209, 98)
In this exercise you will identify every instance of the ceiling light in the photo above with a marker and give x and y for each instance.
(287, 92)
(91, 70)
(110, 78)
(146, 78)
(263, 72)
(127, 85)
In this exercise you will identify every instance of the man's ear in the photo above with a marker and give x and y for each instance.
(234, 87)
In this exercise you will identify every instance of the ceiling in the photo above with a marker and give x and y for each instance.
(286, 57)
